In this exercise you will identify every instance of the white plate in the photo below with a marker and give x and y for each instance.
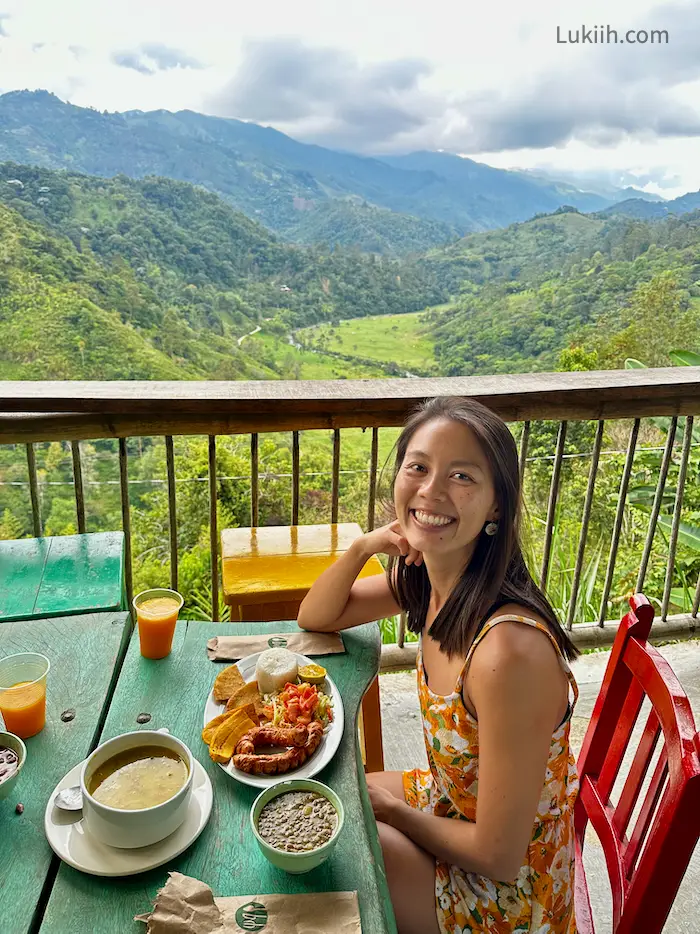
(313, 765)
(68, 838)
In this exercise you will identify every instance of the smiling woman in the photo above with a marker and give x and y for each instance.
(483, 840)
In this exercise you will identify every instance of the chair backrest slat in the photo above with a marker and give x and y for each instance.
(620, 739)
(645, 868)
(637, 774)
(651, 800)
(600, 817)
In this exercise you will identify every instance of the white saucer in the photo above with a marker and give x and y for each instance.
(69, 840)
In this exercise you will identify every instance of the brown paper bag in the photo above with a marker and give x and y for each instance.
(231, 648)
(187, 906)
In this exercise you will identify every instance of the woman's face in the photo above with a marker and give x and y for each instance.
(443, 493)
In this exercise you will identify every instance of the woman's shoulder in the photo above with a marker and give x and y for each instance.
(514, 634)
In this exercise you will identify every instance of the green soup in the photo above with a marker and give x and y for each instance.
(140, 777)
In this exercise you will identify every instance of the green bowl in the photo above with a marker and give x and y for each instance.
(296, 862)
(10, 741)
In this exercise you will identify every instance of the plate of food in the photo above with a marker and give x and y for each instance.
(271, 716)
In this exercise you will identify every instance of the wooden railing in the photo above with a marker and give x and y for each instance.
(32, 412)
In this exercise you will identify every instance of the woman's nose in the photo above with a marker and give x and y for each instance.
(433, 487)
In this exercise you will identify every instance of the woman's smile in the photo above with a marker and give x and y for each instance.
(430, 521)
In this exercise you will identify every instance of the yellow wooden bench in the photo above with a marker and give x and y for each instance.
(268, 571)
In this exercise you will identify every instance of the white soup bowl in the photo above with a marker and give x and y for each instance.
(128, 829)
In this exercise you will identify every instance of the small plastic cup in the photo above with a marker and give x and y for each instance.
(156, 613)
(23, 693)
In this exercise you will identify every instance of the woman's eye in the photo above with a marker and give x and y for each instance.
(463, 476)
(416, 467)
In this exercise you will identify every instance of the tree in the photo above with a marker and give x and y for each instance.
(10, 526)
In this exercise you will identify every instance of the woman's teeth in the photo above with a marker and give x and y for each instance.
(426, 518)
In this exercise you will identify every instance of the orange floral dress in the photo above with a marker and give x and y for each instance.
(541, 899)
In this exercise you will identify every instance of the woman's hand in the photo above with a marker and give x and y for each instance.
(391, 540)
(384, 803)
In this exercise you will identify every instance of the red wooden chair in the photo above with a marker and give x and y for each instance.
(646, 862)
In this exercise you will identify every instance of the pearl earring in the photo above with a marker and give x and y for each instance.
(491, 528)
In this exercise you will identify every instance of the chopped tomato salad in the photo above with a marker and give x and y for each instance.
(300, 704)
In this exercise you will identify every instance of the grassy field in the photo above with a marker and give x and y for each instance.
(400, 339)
(305, 364)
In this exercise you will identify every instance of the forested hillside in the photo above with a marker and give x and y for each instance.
(523, 295)
(178, 268)
(64, 315)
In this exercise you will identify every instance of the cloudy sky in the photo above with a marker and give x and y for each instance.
(489, 81)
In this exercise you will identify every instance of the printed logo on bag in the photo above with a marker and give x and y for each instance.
(252, 917)
(277, 642)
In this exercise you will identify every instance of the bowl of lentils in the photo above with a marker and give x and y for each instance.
(297, 823)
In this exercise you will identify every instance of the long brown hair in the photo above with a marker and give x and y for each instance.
(497, 572)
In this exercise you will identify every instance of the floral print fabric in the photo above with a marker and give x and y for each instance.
(541, 899)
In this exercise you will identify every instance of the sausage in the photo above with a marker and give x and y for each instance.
(272, 736)
(277, 764)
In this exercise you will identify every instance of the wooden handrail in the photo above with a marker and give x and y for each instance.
(71, 411)
(35, 412)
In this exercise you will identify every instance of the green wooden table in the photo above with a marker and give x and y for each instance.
(85, 652)
(225, 856)
(67, 574)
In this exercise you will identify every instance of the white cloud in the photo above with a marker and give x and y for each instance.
(488, 80)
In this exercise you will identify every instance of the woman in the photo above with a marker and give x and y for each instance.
(493, 685)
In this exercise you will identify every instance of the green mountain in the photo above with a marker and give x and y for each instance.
(522, 252)
(646, 210)
(297, 190)
(490, 197)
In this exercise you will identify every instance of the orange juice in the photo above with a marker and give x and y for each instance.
(23, 708)
(157, 612)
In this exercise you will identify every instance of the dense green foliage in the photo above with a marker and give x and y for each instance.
(368, 228)
(523, 295)
(278, 181)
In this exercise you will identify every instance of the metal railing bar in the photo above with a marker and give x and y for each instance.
(524, 444)
(658, 499)
(373, 462)
(335, 489)
(126, 518)
(552, 504)
(213, 530)
(677, 509)
(34, 491)
(585, 520)
(172, 510)
(78, 486)
(295, 478)
(619, 516)
(254, 480)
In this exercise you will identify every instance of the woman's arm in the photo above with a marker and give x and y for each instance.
(516, 687)
(337, 600)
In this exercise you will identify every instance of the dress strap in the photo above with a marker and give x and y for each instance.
(527, 621)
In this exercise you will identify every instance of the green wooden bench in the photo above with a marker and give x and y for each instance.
(60, 576)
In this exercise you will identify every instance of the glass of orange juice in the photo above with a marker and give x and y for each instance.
(23, 692)
(156, 612)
